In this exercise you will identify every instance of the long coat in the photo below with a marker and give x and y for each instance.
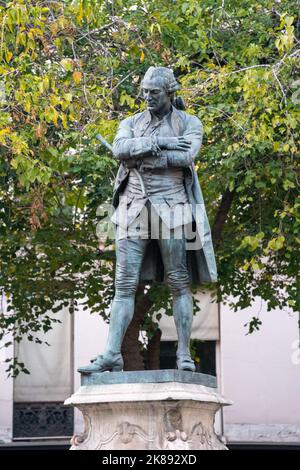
(130, 148)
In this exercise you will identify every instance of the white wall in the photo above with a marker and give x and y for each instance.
(51, 377)
(6, 398)
(90, 334)
(261, 374)
(6, 385)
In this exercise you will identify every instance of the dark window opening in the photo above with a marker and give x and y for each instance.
(203, 352)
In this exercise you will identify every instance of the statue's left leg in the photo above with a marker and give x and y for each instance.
(173, 253)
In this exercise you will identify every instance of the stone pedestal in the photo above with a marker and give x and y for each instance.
(149, 410)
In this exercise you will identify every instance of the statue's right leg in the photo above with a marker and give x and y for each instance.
(129, 254)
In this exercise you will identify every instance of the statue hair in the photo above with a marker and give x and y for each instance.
(168, 81)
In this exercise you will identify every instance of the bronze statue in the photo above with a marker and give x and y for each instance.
(156, 149)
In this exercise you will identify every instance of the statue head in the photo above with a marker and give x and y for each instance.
(159, 86)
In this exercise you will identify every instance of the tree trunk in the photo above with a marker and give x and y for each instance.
(221, 217)
(153, 351)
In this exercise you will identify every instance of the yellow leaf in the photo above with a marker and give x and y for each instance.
(77, 77)
(276, 243)
(54, 28)
(67, 64)
(80, 12)
(14, 163)
(55, 117)
(142, 58)
(8, 55)
(6, 130)
(64, 121)
(27, 104)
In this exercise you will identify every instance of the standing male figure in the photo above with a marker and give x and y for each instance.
(156, 149)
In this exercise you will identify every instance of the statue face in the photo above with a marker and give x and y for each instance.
(155, 95)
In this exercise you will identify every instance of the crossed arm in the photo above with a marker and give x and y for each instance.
(165, 151)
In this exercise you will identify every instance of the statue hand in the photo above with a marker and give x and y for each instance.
(174, 143)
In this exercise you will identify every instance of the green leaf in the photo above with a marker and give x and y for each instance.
(276, 243)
